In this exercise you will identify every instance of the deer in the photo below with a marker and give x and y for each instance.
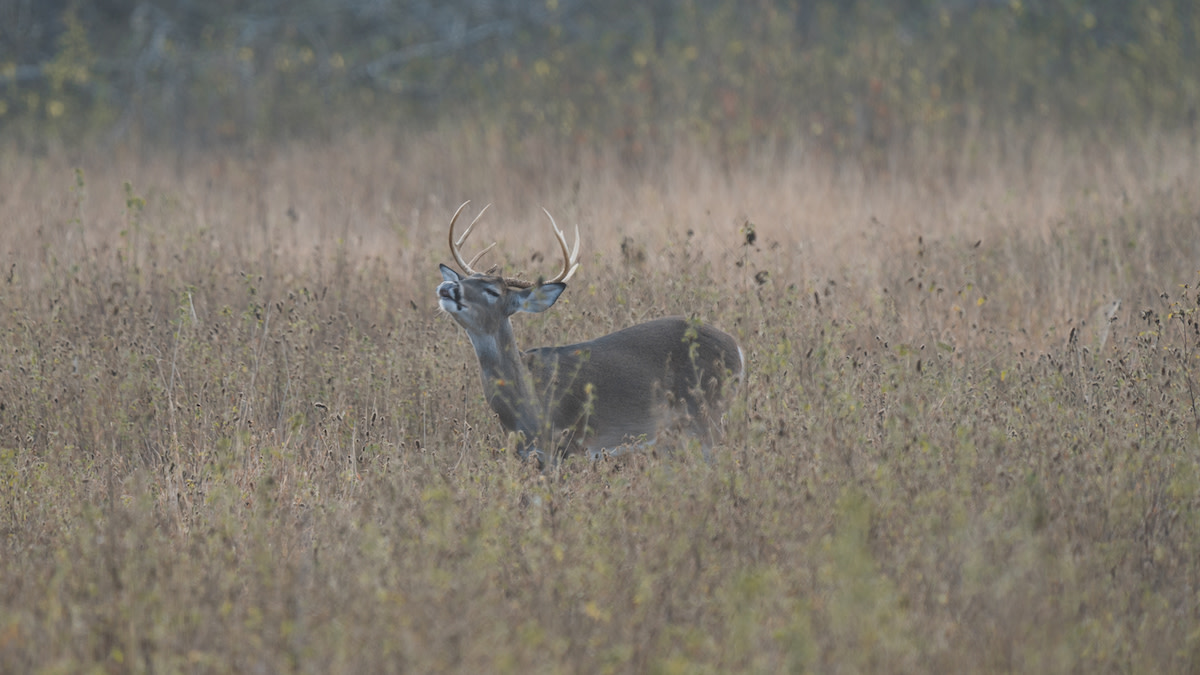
(604, 396)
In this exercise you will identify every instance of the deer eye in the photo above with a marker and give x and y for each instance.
(491, 291)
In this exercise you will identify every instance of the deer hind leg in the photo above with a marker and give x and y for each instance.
(698, 425)
(700, 412)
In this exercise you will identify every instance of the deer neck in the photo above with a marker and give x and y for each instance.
(506, 380)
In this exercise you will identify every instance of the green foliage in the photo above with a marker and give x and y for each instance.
(862, 78)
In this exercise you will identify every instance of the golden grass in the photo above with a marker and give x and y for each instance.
(236, 435)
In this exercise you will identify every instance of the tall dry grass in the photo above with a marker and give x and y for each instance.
(235, 434)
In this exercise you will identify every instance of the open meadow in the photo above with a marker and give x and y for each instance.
(237, 434)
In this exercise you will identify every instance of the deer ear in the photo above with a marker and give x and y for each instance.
(449, 274)
(536, 299)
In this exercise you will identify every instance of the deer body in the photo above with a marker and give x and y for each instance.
(599, 396)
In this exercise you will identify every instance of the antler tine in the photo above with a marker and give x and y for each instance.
(480, 254)
(570, 257)
(456, 246)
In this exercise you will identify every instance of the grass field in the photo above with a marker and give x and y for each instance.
(236, 435)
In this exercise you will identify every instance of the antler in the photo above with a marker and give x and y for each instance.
(570, 257)
(454, 247)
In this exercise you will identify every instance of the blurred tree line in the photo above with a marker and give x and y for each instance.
(845, 74)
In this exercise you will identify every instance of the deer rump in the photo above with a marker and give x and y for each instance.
(675, 375)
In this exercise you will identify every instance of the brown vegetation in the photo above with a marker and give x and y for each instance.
(236, 435)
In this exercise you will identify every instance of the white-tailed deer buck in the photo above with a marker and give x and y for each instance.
(599, 396)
